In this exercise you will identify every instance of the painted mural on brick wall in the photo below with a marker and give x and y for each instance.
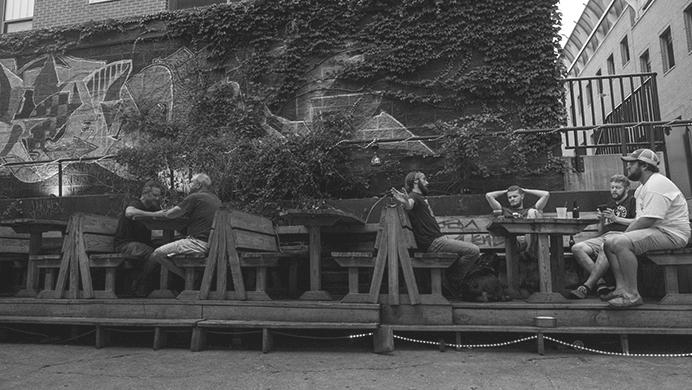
(62, 107)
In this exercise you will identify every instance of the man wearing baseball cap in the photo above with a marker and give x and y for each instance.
(662, 222)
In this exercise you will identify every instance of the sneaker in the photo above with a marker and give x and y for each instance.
(580, 292)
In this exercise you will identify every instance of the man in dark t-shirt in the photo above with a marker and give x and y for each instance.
(132, 238)
(199, 207)
(615, 216)
(425, 228)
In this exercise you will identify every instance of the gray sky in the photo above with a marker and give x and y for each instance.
(571, 11)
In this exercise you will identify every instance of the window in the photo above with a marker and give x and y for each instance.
(645, 62)
(599, 83)
(182, 4)
(610, 62)
(688, 26)
(589, 93)
(667, 53)
(625, 50)
(16, 15)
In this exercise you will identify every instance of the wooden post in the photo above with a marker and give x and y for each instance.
(159, 338)
(392, 255)
(625, 343)
(353, 280)
(383, 339)
(378, 272)
(512, 265)
(267, 340)
(102, 337)
(557, 258)
(199, 339)
(540, 343)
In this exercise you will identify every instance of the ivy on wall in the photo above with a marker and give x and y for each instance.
(489, 65)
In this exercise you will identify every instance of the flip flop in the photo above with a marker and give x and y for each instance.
(580, 292)
(624, 302)
(610, 295)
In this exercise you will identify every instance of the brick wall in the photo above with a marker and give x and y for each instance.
(51, 13)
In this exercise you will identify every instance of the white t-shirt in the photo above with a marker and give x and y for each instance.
(661, 199)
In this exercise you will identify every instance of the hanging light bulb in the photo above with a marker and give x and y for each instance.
(375, 160)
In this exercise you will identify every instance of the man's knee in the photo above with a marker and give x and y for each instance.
(581, 248)
(616, 243)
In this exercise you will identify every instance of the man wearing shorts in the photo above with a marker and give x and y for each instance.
(199, 207)
(615, 217)
(132, 238)
(662, 222)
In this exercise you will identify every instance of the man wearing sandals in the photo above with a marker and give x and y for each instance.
(615, 217)
(662, 223)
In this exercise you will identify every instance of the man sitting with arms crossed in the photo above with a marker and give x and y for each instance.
(662, 222)
(132, 238)
(426, 231)
(199, 207)
(615, 217)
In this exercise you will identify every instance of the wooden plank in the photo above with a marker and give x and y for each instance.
(392, 227)
(99, 224)
(378, 272)
(251, 222)
(84, 269)
(215, 256)
(285, 324)
(98, 243)
(233, 259)
(407, 270)
(222, 265)
(8, 232)
(14, 245)
(255, 241)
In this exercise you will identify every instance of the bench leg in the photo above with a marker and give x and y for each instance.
(110, 283)
(260, 293)
(159, 338)
(198, 340)
(163, 291)
(293, 279)
(102, 337)
(353, 280)
(540, 344)
(267, 340)
(625, 343)
(189, 278)
(49, 279)
(383, 339)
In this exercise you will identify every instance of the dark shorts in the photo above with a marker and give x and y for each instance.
(137, 250)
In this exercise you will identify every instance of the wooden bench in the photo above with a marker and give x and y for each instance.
(393, 247)
(199, 332)
(87, 244)
(14, 249)
(238, 240)
(104, 326)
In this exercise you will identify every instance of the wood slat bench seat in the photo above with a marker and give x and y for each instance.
(15, 248)
(102, 324)
(238, 240)
(87, 244)
(671, 261)
(199, 337)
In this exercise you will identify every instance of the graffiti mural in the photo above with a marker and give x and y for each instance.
(62, 107)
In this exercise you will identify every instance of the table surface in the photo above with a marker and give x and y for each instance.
(321, 217)
(26, 225)
(509, 226)
(162, 223)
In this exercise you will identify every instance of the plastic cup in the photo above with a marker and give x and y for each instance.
(561, 212)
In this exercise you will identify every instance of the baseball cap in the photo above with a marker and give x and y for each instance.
(644, 155)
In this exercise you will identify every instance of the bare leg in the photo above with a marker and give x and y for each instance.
(582, 254)
(609, 248)
(599, 269)
(623, 250)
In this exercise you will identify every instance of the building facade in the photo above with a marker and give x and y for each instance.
(20, 15)
(621, 37)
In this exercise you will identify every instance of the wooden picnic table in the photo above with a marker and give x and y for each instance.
(35, 227)
(550, 251)
(314, 220)
(169, 226)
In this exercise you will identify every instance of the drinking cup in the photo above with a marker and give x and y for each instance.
(561, 212)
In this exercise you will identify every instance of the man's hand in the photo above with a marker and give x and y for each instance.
(403, 198)
(609, 215)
